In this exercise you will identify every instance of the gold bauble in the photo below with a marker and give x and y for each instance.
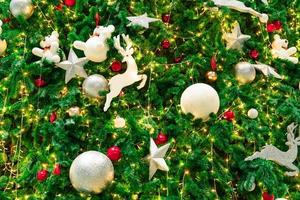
(211, 76)
(3, 46)
(244, 72)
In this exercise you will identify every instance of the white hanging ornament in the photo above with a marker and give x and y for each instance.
(252, 113)
(245, 72)
(73, 66)
(96, 48)
(200, 100)
(91, 172)
(241, 7)
(280, 50)
(156, 158)
(129, 77)
(270, 152)
(3, 44)
(142, 20)
(74, 111)
(22, 8)
(50, 48)
(235, 39)
(119, 122)
(94, 84)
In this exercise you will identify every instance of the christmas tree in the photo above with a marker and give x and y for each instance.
(54, 98)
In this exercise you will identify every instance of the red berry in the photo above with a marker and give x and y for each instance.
(116, 66)
(271, 27)
(267, 196)
(6, 20)
(213, 63)
(166, 18)
(165, 44)
(229, 115)
(253, 54)
(114, 153)
(52, 117)
(97, 18)
(56, 170)
(42, 175)
(178, 59)
(161, 138)
(277, 24)
(39, 82)
(70, 2)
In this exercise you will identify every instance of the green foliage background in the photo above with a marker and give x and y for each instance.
(204, 156)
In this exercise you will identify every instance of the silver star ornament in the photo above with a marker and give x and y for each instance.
(141, 20)
(235, 39)
(156, 158)
(73, 66)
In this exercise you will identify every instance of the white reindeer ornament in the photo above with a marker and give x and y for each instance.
(269, 152)
(129, 77)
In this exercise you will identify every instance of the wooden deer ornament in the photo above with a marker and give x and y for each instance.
(269, 152)
(129, 77)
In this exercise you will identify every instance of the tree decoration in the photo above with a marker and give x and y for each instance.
(254, 54)
(165, 44)
(142, 20)
(74, 111)
(211, 76)
(53, 117)
(213, 62)
(252, 113)
(114, 153)
(178, 59)
(94, 84)
(280, 50)
(56, 170)
(130, 76)
(270, 152)
(91, 172)
(161, 138)
(42, 175)
(235, 39)
(22, 8)
(116, 66)
(50, 47)
(156, 158)
(200, 100)
(229, 115)
(73, 66)
(96, 48)
(267, 196)
(166, 18)
(274, 26)
(40, 82)
(3, 44)
(119, 122)
(267, 70)
(70, 3)
(240, 6)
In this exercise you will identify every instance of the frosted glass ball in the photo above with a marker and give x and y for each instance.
(21, 8)
(244, 72)
(94, 84)
(252, 113)
(200, 100)
(95, 50)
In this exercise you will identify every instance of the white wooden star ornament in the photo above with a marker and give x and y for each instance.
(235, 39)
(73, 66)
(141, 20)
(156, 158)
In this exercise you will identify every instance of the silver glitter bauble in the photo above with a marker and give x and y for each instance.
(21, 8)
(93, 84)
(245, 72)
(91, 172)
(252, 113)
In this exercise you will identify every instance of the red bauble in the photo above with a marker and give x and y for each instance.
(52, 117)
(116, 66)
(178, 59)
(70, 2)
(165, 44)
(229, 115)
(6, 20)
(213, 63)
(39, 82)
(253, 54)
(161, 138)
(267, 196)
(277, 24)
(56, 170)
(97, 18)
(166, 18)
(42, 175)
(271, 27)
(114, 153)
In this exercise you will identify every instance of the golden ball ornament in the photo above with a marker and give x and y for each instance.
(245, 72)
(211, 76)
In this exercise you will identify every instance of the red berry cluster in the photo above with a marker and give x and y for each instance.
(274, 26)
(42, 175)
